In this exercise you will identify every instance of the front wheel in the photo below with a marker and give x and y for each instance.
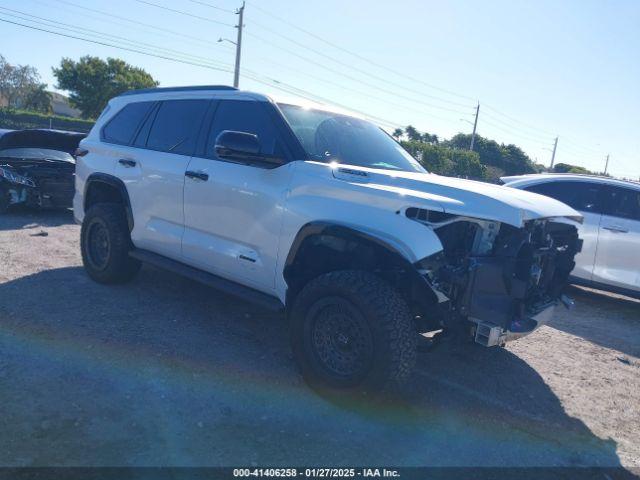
(350, 330)
(105, 243)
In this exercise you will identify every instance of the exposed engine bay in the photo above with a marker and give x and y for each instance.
(37, 168)
(495, 278)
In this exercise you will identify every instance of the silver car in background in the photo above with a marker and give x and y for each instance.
(610, 257)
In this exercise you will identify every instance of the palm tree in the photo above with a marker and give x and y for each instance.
(397, 133)
(412, 133)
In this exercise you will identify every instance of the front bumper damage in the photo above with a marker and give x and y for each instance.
(507, 290)
(41, 187)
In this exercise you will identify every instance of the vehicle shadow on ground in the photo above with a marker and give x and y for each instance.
(614, 321)
(18, 217)
(163, 371)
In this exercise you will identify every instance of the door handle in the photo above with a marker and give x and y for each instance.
(127, 162)
(197, 175)
(616, 229)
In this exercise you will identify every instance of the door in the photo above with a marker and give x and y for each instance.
(233, 211)
(618, 256)
(153, 172)
(587, 198)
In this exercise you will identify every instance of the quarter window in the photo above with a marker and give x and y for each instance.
(582, 196)
(176, 126)
(248, 117)
(121, 128)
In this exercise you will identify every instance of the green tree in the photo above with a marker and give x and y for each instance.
(38, 99)
(413, 134)
(92, 81)
(567, 168)
(20, 86)
(397, 133)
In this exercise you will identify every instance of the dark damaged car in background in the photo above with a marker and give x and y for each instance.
(37, 168)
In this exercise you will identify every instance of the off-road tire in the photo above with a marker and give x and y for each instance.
(113, 264)
(386, 316)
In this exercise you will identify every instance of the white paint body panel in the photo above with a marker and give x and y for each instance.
(610, 250)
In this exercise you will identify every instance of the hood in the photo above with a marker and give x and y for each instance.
(48, 139)
(460, 197)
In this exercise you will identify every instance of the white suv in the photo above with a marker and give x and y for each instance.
(322, 214)
(610, 258)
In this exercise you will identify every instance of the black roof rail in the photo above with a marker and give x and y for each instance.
(177, 89)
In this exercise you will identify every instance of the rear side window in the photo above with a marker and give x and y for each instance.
(122, 127)
(176, 126)
(245, 116)
(582, 196)
(623, 202)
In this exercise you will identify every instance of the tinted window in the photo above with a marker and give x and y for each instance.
(249, 117)
(623, 202)
(583, 196)
(124, 124)
(176, 126)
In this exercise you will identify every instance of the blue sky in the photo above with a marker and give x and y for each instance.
(538, 69)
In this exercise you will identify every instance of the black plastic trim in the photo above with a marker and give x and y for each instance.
(226, 286)
(116, 183)
(325, 228)
(195, 88)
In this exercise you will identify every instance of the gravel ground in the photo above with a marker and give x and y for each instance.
(163, 371)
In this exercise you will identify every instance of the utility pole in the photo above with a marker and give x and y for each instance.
(606, 165)
(475, 125)
(553, 155)
(236, 73)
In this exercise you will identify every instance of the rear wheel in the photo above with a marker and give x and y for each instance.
(350, 330)
(105, 244)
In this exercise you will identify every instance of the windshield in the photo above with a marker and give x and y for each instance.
(331, 137)
(36, 154)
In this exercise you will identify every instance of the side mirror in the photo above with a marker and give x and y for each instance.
(243, 147)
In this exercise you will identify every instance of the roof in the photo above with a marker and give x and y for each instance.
(537, 177)
(177, 89)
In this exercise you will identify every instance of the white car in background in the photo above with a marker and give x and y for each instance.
(610, 257)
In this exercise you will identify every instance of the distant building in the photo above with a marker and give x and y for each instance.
(60, 106)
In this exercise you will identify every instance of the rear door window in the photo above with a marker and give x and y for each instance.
(623, 202)
(176, 126)
(123, 126)
(582, 196)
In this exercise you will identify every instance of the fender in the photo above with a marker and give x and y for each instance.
(116, 183)
(417, 285)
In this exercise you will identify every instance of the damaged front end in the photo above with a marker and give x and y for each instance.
(37, 168)
(36, 183)
(494, 281)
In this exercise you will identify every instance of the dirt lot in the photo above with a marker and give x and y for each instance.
(163, 371)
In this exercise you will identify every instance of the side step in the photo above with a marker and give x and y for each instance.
(226, 286)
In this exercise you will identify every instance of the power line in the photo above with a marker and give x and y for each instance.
(545, 132)
(328, 57)
(206, 4)
(252, 75)
(134, 22)
(353, 79)
(449, 92)
(516, 128)
(51, 23)
(206, 19)
(386, 81)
